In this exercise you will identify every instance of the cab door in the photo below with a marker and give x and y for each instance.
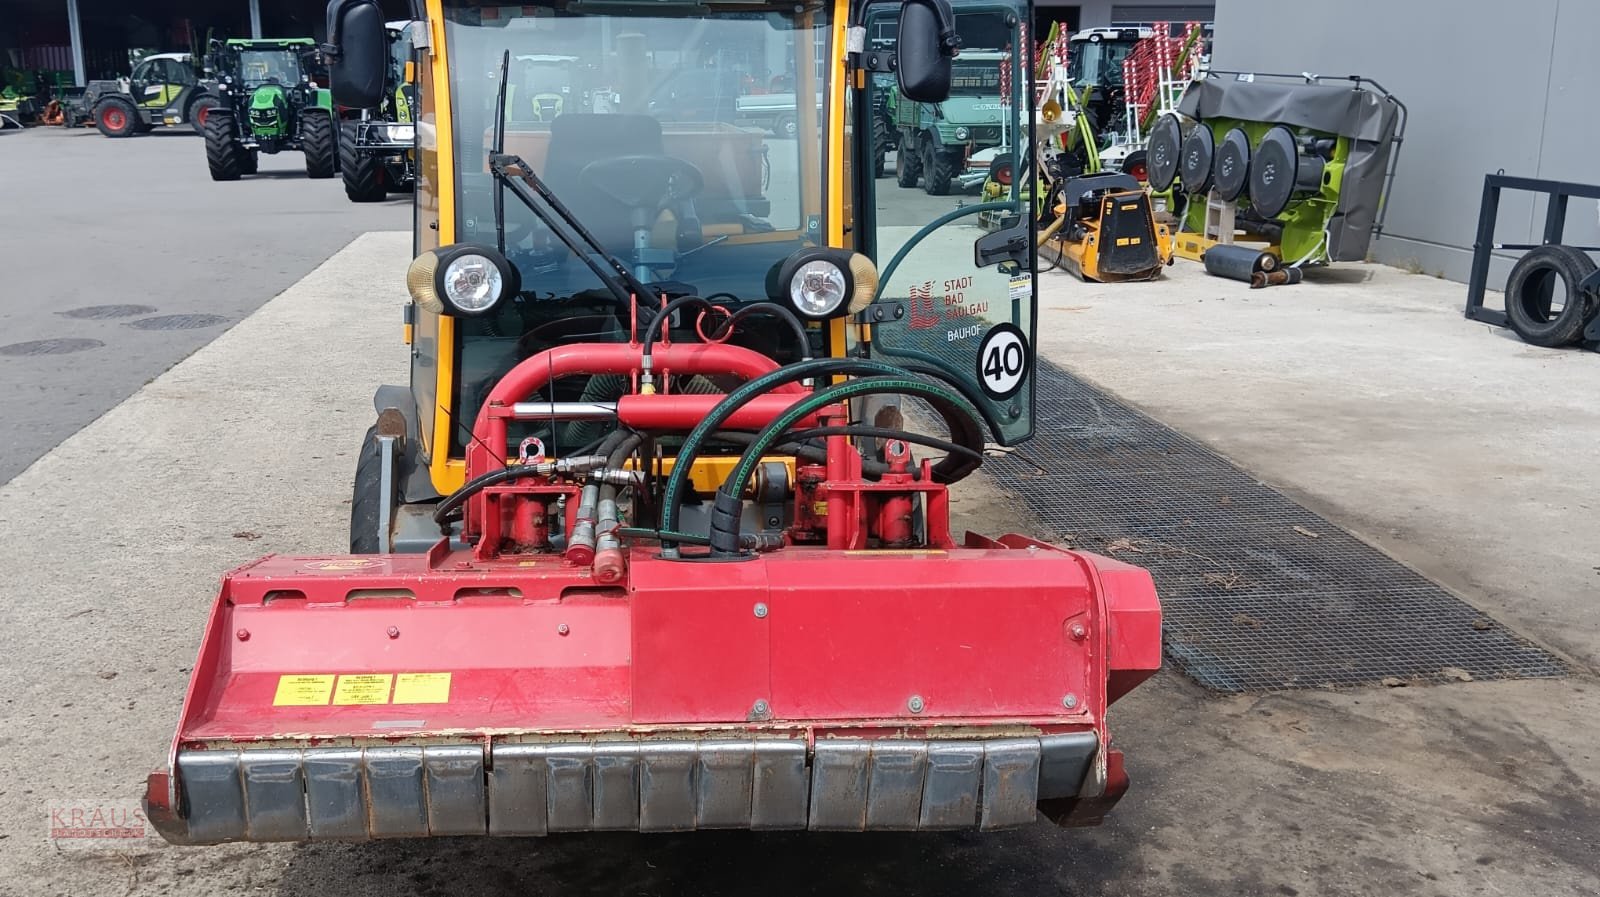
(942, 189)
(155, 83)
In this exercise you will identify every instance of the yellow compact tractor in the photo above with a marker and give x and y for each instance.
(1106, 230)
(640, 546)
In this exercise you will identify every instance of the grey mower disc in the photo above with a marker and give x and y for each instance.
(1274, 172)
(1199, 150)
(1164, 151)
(1231, 169)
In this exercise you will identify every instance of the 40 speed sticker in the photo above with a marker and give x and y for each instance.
(1003, 361)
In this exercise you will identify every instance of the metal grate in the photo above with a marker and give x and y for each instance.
(1258, 593)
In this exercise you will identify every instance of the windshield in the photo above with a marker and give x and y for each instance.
(1097, 63)
(730, 182)
(258, 67)
(976, 74)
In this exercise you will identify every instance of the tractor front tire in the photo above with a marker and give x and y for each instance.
(882, 136)
(225, 154)
(116, 117)
(252, 162)
(319, 142)
(367, 499)
(907, 166)
(200, 110)
(938, 170)
(1531, 291)
(364, 177)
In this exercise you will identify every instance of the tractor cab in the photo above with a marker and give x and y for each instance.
(657, 538)
(582, 105)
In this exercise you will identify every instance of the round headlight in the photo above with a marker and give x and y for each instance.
(464, 279)
(820, 282)
(818, 288)
(962, 133)
(472, 284)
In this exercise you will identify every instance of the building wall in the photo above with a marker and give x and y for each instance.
(1490, 86)
(1099, 13)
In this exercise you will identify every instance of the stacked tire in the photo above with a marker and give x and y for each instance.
(1545, 303)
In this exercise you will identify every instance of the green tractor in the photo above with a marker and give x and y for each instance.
(268, 104)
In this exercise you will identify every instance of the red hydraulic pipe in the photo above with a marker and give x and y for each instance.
(682, 411)
(534, 373)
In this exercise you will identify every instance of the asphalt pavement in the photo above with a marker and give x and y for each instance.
(118, 258)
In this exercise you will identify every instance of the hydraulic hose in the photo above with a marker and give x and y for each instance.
(672, 492)
(777, 311)
(945, 471)
(728, 506)
(943, 445)
(652, 331)
(608, 560)
(575, 463)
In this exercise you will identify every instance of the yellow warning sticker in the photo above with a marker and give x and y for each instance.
(303, 691)
(364, 688)
(422, 688)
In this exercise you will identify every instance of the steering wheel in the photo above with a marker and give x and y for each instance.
(643, 182)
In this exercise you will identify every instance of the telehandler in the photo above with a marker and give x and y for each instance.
(642, 546)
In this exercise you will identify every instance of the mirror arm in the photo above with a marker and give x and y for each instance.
(949, 40)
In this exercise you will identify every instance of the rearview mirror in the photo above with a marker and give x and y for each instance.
(1009, 245)
(357, 52)
(924, 47)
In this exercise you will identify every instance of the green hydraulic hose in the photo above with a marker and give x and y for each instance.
(728, 506)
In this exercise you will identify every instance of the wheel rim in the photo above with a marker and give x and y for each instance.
(201, 114)
(115, 119)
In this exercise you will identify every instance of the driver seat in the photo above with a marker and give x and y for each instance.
(576, 139)
(581, 138)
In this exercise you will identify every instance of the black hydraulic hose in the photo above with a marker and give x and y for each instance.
(442, 513)
(943, 445)
(652, 332)
(728, 507)
(777, 311)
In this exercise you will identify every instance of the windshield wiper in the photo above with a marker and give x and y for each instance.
(511, 172)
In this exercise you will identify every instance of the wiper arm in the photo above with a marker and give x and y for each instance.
(516, 175)
(510, 171)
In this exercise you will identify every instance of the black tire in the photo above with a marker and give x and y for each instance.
(116, 117)
(938, 170)
(786, 126)
(364, 177)
(320, 143)
(252, 162)
(225, 154)
(367, 498)
(200, 110)
(1531, 289)
(907, 167)
(881, 138)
